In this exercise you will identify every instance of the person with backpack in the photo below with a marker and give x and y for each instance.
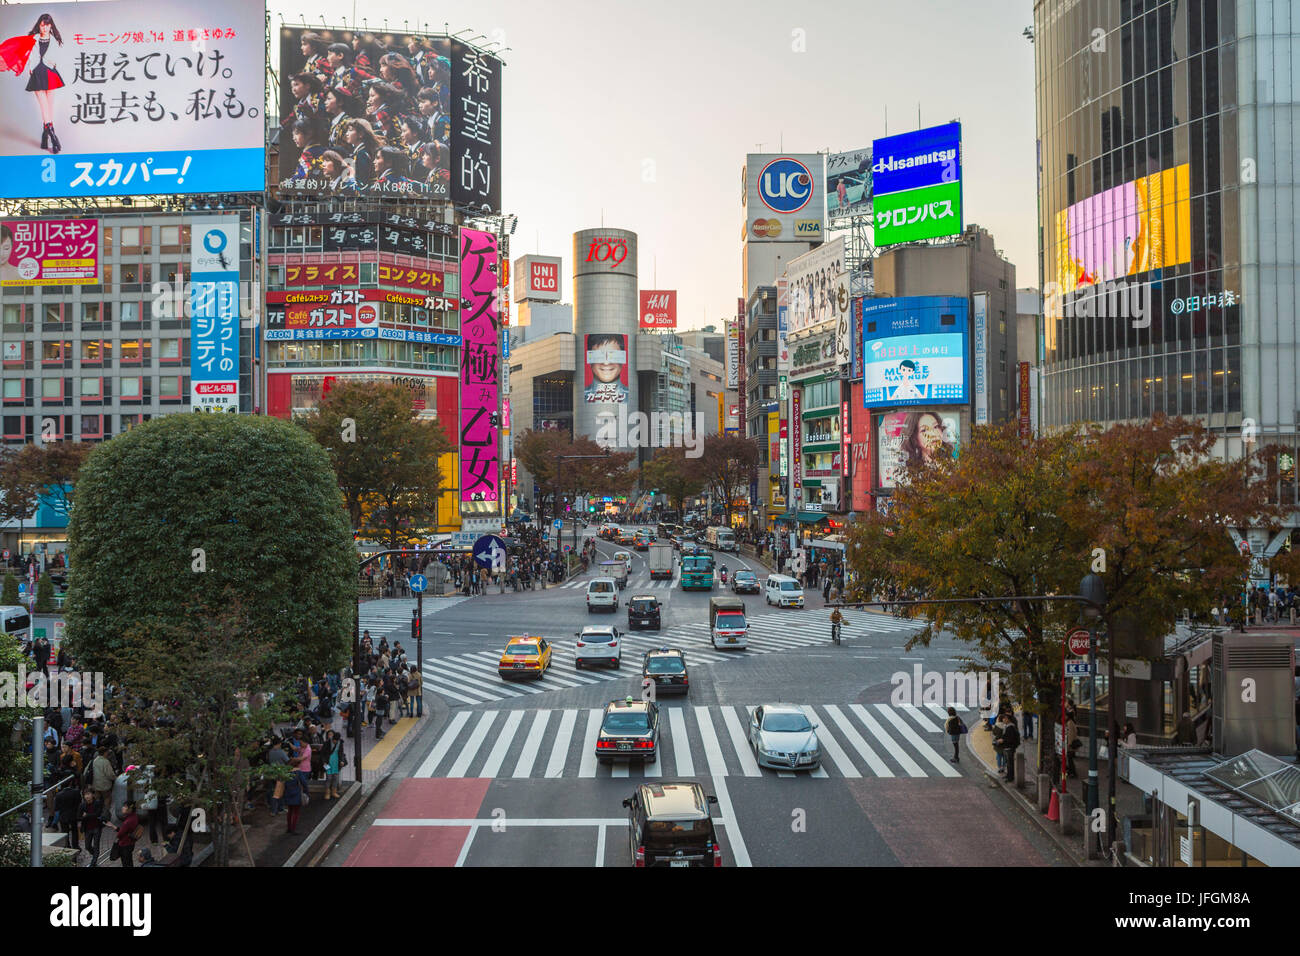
(954, 727)
(1010, 742)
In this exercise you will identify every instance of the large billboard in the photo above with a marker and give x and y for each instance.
(1124, 231)
(658, 308)
(914, 351)
(848, 184)
(383, 113)
(214, 314)
(818, 287)
(604, 379)
(49, 252)
(537, 278)
(785, 197)
(480, 380)
(118, 98)
(917, 185)
(733, 355)
(913, 437)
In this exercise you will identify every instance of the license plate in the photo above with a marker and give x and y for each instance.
(644, 620)
(731, 640)
(624, 746)
(678, 863)
(520, 666)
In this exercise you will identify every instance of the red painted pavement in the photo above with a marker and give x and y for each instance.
(425, 799)
(942, 823)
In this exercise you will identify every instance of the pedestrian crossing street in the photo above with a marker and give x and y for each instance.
(857, 740)
(472, 678)
(382, 617)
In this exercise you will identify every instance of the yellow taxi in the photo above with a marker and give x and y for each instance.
(525, 657)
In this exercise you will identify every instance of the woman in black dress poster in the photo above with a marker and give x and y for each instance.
(43, 78)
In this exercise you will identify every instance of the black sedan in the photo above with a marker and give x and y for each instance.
(643, 610)
(744, 582)
(666, 667)
(629, 730)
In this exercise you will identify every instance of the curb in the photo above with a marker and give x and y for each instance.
(341, 816)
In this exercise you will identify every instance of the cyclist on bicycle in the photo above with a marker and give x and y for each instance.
(836, 620)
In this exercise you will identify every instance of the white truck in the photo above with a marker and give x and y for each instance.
(661, 560)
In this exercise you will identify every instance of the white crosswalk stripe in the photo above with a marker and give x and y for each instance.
(385, 616)
(857, 741)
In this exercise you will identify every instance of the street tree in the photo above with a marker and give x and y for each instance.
(726, 466)
(186, 509)
(538, 451)
(48, 473)
(676, 476)
(386, 458)
(17, 489)
(15, 764)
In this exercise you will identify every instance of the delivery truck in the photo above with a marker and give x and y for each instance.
(661, 560)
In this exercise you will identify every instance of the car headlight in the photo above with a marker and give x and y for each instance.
(766, 753)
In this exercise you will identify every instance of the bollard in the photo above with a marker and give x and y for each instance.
(1019, 772)
(1069, 814)
(1044, 791)
(1091, 847)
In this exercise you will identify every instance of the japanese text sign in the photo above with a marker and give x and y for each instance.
(214, 315)
(49, 252)
(480, 424)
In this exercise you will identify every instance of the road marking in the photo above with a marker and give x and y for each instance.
(587, 767)
(915, 713)
(443, 745)
(510, 822)
(910, 658)
(911, 736)
(737, 841)
(453, 670)
(464, 849)
(747, 761)
(560, 750)
(600, 846)
(472, 745)
(450, 693)
(532, 744)
(712, 751)
(681, 743)
(851, 734)
(506, 737)
(832, 747)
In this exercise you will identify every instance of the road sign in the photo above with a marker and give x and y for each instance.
(490, 552)
(557, 524)
(419, 583)
(1077, 669)
(22, 588)
(1078, 642)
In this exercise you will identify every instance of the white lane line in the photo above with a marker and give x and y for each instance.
(855, 740)
(489, 821)
(560, 750)
(681, 743)
(470, 750)
(464, 849)
(587, 767)
(600, 846)
(621, 768)
(737, 734)
(915, 713)
(464, 676)
(709, 737)
(443, 745)
(532, 744)
(429, 685)
(914, 739)
(736, 841)
(506, 737)
(832, 747)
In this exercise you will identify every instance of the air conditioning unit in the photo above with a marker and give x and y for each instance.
(1254, 693)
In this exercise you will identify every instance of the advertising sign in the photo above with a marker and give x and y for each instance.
(818, 287)
(658, 308)
(480, 426)
(914, 351)
(537, 278)
(915, 436)
(796, 450)
(814, 354)
(860, 499)
(741, 371)
(856, 372)
(846, 439)
(214, 314)
(49, 252)
(476, 129)
(785, 197)
(605, 376)
(981, 334)
(118, 98)
(733, 355)
(848, 184)
(917, 185)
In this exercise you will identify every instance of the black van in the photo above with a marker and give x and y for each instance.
(669, 825)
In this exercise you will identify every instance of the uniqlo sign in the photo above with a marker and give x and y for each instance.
(658, 308)
(538, 278)
(544, 277)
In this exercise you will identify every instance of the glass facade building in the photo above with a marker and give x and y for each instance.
(1167, 212)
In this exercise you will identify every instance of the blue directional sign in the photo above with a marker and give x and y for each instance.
(490, 552)
(1077, 669)
(419, 583)
(557, 524)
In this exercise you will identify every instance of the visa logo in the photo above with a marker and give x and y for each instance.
(807, 227)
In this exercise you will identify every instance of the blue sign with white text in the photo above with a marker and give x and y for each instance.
(914, 351)
(926, 157)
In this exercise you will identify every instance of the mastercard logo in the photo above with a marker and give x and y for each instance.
(770, 228)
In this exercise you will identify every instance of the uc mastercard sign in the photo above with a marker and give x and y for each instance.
(784, 197)
(785, 185)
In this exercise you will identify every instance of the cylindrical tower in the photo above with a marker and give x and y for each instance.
(604, 326)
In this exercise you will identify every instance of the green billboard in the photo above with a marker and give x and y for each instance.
(924, 213)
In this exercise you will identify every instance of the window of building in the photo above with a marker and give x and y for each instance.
(53, 315)
(130, 421)
(92, 426)
(13, 388)
(92, 352)
(169, 386)
(369, 273)
(52, 351)
(130, 386)
(17, 427)
(169, 238)
(169, 350)
(92, 387)
(130, 236)
(52, 388)
(1002, 361)
(130, 352)
(13, 315)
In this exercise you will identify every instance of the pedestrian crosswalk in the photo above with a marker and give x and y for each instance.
(383, 617)
(857, 741)
(641, 583)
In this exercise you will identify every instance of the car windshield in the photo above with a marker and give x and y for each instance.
(665, 665)
(601, 586)
(598, 637)
(679, 828)
(786, 723)
(789, 586)
(621, 722)
(522, 650)
(745, 576)
(643, 606)
(735, 622)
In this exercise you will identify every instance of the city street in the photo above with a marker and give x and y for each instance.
(506, 774)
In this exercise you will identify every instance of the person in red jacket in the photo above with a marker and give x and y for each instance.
(43, 78)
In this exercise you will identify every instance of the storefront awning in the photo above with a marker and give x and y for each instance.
(804, 517)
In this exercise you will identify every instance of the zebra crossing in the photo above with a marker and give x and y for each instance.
(642, 583)
(383, 617)
(472, 678)
(857, 741)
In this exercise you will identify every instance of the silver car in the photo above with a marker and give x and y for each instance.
(784, 738)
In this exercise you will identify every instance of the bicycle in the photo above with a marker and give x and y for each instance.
(835, 632)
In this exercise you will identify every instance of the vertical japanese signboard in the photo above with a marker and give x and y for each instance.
(480, 423)
(981, 331)
(1026, 419)
(476, 132)
(740, 361)
(49, 252)
(846, 442)
(796, 447)
(214, 314)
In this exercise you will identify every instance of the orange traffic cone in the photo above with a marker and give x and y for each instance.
(1054, 807)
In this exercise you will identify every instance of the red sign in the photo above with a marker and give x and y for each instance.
(215, 388)
(321, 273)
(658, 308)
(410, 277)
(544, 277)
(846, 438)
(355, 296)
(361, 315)
(1078, 642)
(611, 249)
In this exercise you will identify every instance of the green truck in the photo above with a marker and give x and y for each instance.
(697, 572)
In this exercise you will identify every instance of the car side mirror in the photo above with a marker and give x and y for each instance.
(712, 799)
(815, 725)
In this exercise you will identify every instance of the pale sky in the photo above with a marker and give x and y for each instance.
(594, 93)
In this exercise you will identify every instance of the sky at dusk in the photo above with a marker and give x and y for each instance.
(640, 114)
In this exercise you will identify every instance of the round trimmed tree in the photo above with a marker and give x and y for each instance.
(207, 512)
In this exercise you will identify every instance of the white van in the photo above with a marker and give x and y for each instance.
(16, 622)
(784, 591)
(602, 592)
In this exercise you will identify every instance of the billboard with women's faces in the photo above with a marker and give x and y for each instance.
(916, 436)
